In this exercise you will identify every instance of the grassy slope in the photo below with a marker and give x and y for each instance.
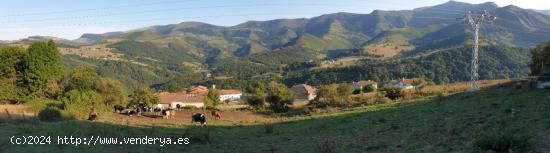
(427, 125)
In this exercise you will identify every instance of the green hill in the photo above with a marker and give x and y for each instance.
(194, 47)
(441, 66)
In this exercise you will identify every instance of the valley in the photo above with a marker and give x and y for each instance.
(397, 80)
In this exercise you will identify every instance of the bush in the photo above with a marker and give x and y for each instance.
(355, 92)
(333, 95)
(190, 107)
(504, 141)
(279, 97)
(380, 98)
(50, 114)
(369, 88)
(393, 92)
(80, 103)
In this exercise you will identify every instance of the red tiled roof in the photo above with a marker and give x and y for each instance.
(198, 90)
(309, 89)
(229, 92)
(167, 98)
(363, 82)
(408, 81)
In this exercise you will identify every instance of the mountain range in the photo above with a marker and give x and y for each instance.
(200, 47)
(547, 12)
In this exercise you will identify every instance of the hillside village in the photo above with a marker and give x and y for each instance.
(194, 96)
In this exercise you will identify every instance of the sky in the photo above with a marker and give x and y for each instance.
(70, 19)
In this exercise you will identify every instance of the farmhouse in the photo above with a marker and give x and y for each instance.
(303, 92)
(403, 83)
(543, 81)
(360, 84)
(230, 95)
(180, 100)
(198, 90)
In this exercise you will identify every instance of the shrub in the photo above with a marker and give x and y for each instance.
(279, 97)
(369, 88)
(80, 103)
(393, 92)
(355, 92)
(380, 98)
(50, 114)
(190, 107)
(504, 141)
(333, 95)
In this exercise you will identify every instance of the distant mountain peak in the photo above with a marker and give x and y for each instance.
(513, 7)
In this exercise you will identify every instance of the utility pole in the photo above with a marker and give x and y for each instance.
(475, 20)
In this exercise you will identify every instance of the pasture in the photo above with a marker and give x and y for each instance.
(461, 122)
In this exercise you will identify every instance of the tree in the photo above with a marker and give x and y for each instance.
(42, 65)
(393, 92)
(82, 78)
(11, 59)
(369, 88)
(540, 59)
(212, 98)
(80, 102)
(258, 91)
(111, 90)
(333, 95)
(418, 84)
(143, 97)
(279, 97)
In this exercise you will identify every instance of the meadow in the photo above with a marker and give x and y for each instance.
(516, 119)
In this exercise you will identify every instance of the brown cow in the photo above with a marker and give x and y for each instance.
(216, 114)
(173, 114)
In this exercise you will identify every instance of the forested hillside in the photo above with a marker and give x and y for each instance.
(449, 65)
(424, 42)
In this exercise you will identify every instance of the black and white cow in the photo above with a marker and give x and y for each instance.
(166, 113)
(199, 117)
(119, 108)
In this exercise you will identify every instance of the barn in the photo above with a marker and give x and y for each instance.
(180, 99)
(230, 95)
(303, 92)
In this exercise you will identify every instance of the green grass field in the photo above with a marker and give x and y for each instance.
(457, 123)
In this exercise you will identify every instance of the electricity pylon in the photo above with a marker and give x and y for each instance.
(475, 20)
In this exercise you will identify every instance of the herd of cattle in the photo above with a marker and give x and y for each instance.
(165, 113)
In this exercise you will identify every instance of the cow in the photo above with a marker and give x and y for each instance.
(93, 115)
(216, 114)
(199, 117)
(173, 114)
(166, 113)
(119, 108)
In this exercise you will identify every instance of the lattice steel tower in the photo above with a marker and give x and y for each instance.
(475, 20)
